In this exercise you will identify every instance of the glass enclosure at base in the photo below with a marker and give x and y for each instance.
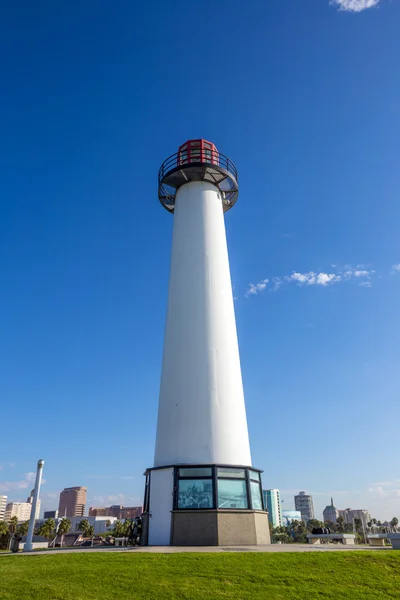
(216, 487)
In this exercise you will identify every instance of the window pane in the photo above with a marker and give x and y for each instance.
(227, 472)
(232, 494)
(254, 475)
(255, 495)
(195, 493)
(202, 472)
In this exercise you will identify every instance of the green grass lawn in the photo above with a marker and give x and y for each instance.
(240, 576)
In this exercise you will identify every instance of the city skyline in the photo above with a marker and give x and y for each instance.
(320, 500)
(313, 239)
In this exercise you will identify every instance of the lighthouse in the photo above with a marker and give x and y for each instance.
(202, 488)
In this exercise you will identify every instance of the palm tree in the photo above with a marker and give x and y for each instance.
(3, 534)
(85, 526)
(63, 528)
(23, 528)
(3, 528)
(90, 532)
(340, 523)
(12, 528)
(12, 524)
(47, 529)
(118, 529)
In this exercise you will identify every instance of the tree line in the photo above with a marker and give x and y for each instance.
(296, 532)
(50, 531)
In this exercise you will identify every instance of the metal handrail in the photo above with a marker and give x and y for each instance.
(217, 158)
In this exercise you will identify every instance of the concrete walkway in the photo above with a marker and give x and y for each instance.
(177, 549)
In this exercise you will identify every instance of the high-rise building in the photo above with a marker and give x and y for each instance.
(3, 504)
(50, 514)
(304, 503)
(272, 503)
(21, 510)
(72, 502)
(349, 515)
(30, 500)
(330, 513)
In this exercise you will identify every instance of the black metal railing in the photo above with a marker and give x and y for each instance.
(198, 157)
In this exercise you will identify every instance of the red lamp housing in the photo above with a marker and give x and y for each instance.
(197, 151)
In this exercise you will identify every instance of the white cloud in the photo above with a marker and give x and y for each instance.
(382, 492)
(312, 278)
(361, 273)
(99, 499)
(22, 484)
(302, 277)
(390, 483)
(354, 5)
(357, 272)
(325, 279)
(116, 498)
(277, 282)
(255, 289)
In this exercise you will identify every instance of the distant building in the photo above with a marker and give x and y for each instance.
(100, 524)
(304, 503)
(21, 510)
(30, 500)
(3, 504)
(118, 511)
(330, 513)
(72, 502)
(272, 503)
(50, 514)
(287, 516)
(349, 515)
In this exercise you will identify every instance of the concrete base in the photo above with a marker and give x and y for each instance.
(219, 528)
(314, 541)
(376, 542)
(347, 539)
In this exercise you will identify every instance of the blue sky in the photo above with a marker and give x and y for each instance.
(303, 96)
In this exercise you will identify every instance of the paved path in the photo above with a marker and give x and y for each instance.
(175, 549)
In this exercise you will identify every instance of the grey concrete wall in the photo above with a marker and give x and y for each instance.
(220, 528)
(244, 528)
(194, 528)
(236, 527)
(262, 528)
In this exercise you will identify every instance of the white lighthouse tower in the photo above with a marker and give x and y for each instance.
(202, 489)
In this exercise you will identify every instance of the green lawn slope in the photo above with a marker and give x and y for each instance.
(240, 576)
